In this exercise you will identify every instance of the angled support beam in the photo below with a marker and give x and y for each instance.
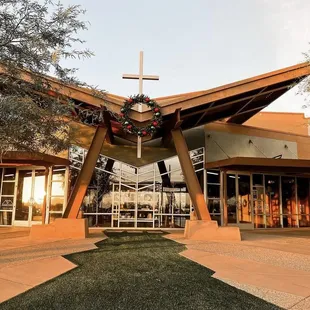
(174, 123)
(190, 176)
(239, 118)
(109, 165)
(85, 175)
(166, 183)
(164, 174)
(107, 122)
(204, 114)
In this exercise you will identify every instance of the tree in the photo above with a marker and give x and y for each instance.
(37, 36)
(304, 87)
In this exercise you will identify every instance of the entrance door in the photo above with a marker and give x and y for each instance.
(238, 193)
(231, 202)
(30, 197)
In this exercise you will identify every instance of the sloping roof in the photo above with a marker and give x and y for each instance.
(236, 101)
(301, 166)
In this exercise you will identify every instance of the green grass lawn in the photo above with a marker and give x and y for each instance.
(135, 271)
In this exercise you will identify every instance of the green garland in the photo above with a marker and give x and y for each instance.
(129, 126)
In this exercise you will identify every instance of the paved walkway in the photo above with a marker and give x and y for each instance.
(136, 271)
(25, 263)
(273, 265)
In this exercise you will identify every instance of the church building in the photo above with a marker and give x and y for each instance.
(252, 168)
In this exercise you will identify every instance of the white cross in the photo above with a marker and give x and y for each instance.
(140, 77)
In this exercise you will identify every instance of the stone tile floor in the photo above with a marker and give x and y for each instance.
(271, 264)
(23, 261)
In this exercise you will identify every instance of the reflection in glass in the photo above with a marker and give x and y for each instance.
(59, 174)
(289, 201)
(214, 206)
(99, 220)
(213, 191)
(213, 176)
(8, 188)
(23, 198)
(231, 198)
(6, 217)
(259, 221)
(58, 189)
(9, 174)
(244, 199)
(38, 195)
(54, 216)
(6, 203)
(150, 196)
(272, 200)
(57, 203)
(303, 202)
(258, 179)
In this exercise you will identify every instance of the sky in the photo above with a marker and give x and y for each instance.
(193, 44)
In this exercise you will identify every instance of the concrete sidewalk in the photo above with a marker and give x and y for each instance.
(272, 265)
(26, 263)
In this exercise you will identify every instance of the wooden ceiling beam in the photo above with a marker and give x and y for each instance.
(220, 107)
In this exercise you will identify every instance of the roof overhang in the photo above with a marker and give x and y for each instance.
(13, 158)
(236, 102)
(291, 166)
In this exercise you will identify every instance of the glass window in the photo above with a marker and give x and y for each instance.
(57, 204)
(213, 191)
(231, 198)
(214, 206)
(258, 207)
(8, 188)
(258, 193)
(6, 218)
(6, 203)
(154, 195)
(289, 201)
(272, 201)
(58, 189)
(179, 221)
(288, 195)
(303, 196)
(213, 176)
(303, 205)
(258, 179)
(259, 221)
(54, 216)
(59, 174)
(244, 199)
(9, 174)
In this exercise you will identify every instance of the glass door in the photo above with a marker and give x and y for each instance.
(29, 197)
(238, 198)
(244, 199)
(231, 201)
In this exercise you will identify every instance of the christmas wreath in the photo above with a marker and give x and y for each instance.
(129, 126)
